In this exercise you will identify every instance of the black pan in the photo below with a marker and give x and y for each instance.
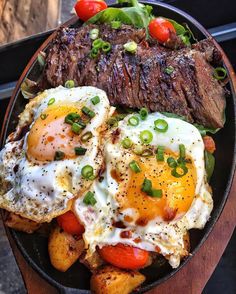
(76, 279)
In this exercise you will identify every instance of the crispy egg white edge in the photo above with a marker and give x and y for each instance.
(168, 236)
(31, 194)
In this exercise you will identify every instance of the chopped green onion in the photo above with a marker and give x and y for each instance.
(106, 47)
(131, 47)
(97, 44)
(133, 121)
(161, 125)
(179, 171)
(138, 149)
(115, 24)
(59, 155)
(182, 152)
(135, 167)
(171, 162)
(76, 128)
(126, 143)
(82, 124)
(157, 193)
(72, 117)
(94, 52)
(146, 186)
(147, 153)
(112, 122)
(69, 84)
(88, 112)
(86, 136)
(51, 101)
(95, 100)
(143, 113)
(87, 172)
(89, 199)
(160, 153)
(146, 137)
(219, 73)
(93, 34)
(80, 150)
(43, 116)
(120, 116)
(169, 70)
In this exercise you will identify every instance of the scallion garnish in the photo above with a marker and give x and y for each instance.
(87, 172)
(146, 186)
(94, 52)
(95, 100)
(106, 47)
(127, 143)
(157, 193)
(112, 122)
(133, 121)
(89, 199)
(80, 150)
(72, 117)
(59, 155)
(171, 162)
(86, 136)
(93, 34)
(138, 149)
(146, 137)
(161, 125)
(76, 128)
(97, 44)
(143, 113)
(115, 24)
(69, 84)
(179, 171)
(147, 153)
(135, 167)
(43, 116)
(88, 112)
(51, 101)
(219, 73)
(169, 70)
(182, 151)
(160, 153)
(131, 47)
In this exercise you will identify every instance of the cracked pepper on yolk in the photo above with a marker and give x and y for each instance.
(50, 133)
(178, 193)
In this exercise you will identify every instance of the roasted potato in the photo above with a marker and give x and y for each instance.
(19, 223)
(111, 280)
(63, 249)
(92, 261)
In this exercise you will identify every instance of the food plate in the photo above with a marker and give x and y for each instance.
(34, 247)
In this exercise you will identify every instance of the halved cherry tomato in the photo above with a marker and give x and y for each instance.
(123, 256)
(70, 224)
(209, 143)
(86, 9)
(160, 28)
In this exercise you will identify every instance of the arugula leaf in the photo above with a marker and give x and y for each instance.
(183, 32)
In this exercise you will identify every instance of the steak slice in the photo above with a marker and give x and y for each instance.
(141, 79)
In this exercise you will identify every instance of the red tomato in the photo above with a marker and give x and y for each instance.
(209, 143)
(86, 9)
(160, 28)
(126, 257)
(70, 224)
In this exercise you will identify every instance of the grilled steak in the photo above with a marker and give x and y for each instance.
(156, 77)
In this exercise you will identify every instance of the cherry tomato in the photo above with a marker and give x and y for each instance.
(123, 256)
(209, 144)
(70, 224)
(160, 28)
(86, 9)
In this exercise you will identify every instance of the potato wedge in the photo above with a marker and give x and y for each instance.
(63, 249)
(19, 223)
(92, 261)
(111, 280)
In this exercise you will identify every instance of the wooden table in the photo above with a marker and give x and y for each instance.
(192, 277)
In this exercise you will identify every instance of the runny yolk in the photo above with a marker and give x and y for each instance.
(178, 193)
(50, 133)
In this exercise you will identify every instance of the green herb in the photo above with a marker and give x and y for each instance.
(182, 151)
(147, 188)
(146, 137)
(161, 125)
(147, 153)
(51, 101)
(169, 70)
(112, 122)
(126, 143)
(94, 52)
(97, 44)
(72, 117)
(59, 155)
(157, 193)
(106, 47)
(88, 112)
(171, 162)
(87, 172)
(95, 100)
(43, 116)
(89, 199)
(131, 47)
(183, 32)
(86, 136)
(135, 167)
(69, 84)
(138, 149)
(80, 150)
(219, 73)
(76, 128)
(160, 153)
(143, 113)
(179, 171)
(209, 164)
(93, 34)
(115, 24)
(133, 121)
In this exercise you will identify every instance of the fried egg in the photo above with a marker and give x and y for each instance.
(124, 213)
(41, 172)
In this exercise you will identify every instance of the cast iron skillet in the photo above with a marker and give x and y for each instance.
(76, 279)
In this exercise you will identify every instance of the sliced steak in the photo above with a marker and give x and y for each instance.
(141, 80)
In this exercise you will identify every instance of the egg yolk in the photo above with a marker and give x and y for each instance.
(50, 133)
(177, 193)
